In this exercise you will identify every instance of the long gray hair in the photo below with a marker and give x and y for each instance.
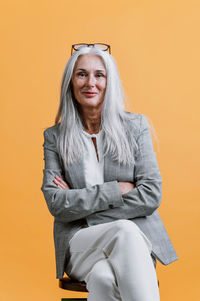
(117, 139)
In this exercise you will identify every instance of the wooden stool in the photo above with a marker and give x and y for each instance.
(72, 285)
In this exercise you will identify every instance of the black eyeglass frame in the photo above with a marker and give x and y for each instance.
(88, 45)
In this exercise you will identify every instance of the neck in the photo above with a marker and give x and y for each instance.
(91, 118)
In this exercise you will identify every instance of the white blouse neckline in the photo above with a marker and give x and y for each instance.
(93, 168)
(92, 135)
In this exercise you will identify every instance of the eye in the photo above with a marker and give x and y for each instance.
(82, 74)
(100, 75)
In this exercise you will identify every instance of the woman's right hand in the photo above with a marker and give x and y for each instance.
(125, 187)
(61, 183)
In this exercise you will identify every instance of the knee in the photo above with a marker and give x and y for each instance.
(126, 230)
(127, 226)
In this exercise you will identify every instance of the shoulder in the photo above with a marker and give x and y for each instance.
(52, 130)
(137, 121)
(51, 135)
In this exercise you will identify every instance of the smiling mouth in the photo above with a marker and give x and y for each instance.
(90, 93)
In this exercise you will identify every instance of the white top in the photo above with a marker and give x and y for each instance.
(93, 169)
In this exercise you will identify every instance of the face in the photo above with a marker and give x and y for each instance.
(89, 81)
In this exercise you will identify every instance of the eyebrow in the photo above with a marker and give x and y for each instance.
(86, 70)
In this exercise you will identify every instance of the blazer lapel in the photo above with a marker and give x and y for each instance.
(114, 171)
(75, 175)
(111, 169)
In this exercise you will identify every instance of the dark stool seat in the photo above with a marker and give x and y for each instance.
(69, 284)
(72, 285)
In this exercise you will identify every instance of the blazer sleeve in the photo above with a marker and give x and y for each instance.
(73, 204)
(146, 197)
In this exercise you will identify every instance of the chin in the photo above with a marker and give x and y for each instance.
(91, 103)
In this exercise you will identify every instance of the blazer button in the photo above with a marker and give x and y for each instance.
(111, 206)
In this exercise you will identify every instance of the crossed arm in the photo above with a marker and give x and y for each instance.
(123, 186)
(112, 200)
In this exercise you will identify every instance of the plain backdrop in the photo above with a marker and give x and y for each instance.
(156, 46)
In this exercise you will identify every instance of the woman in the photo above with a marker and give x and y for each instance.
(102, 184)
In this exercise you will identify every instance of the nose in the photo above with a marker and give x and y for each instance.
(91, 80)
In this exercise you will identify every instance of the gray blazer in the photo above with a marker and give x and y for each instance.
(81, 207)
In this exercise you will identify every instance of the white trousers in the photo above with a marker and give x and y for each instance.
(114, 259)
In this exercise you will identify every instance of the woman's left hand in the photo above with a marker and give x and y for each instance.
(125, 187)
(61, 183)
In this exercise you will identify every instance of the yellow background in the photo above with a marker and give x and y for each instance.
(156, 46)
